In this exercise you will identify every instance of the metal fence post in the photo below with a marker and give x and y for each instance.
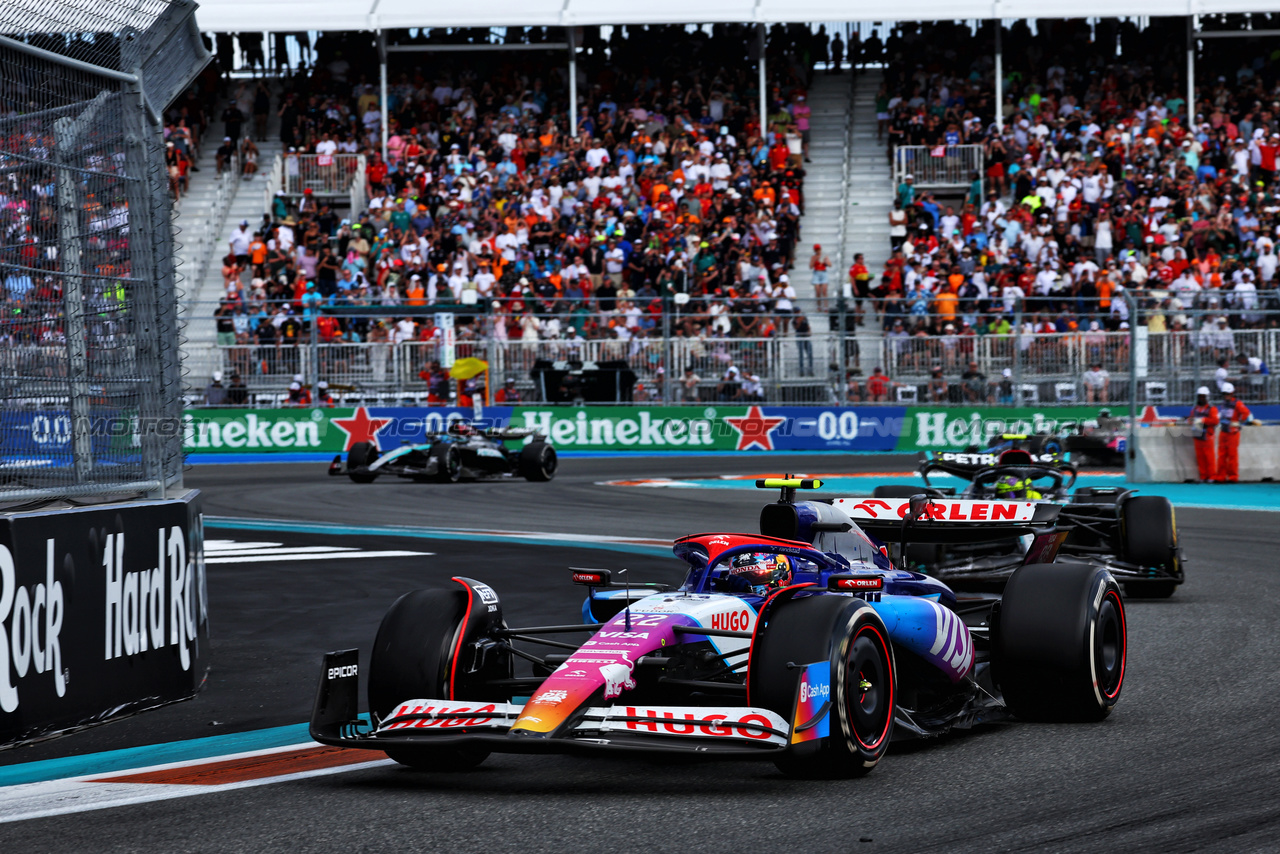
(668, 367)
(842, 381)
(313, 370)
(66, 132)
(1131, 446)
(1017, 352)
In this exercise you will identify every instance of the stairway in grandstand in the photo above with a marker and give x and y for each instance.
(196, 223)
(869, 195)
(870, 201)
(829, 102)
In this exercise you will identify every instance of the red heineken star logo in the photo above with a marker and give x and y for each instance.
(754, 429)
(360, 427)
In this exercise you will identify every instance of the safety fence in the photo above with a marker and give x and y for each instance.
(89, 321)
(703, 351)
(937, 166)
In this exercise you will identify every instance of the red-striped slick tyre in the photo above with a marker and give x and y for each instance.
(1059, 642)
(412, 658)
(850, 635)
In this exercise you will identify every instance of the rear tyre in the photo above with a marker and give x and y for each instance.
(1149, 538)
(411, 660)
(361, 455)
(1059, 643)
(537, 462)
(849, 635)
(448, 462)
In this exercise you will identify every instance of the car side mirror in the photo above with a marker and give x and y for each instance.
(916, 505)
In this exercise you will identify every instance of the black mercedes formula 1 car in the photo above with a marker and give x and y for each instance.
(461, 453)
(803, 645)
(1134, 536)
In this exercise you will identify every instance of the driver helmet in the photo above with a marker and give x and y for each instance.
(1012, 486)
(761, 572)
(460, 428)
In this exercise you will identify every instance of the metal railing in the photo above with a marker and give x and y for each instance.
(937, 166)
(274, 175)
(327, 176)
(359, 191)
(381, 350)
(205, 236)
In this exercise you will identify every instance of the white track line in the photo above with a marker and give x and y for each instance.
(330, 555)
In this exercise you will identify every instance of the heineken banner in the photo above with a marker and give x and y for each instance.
(710, 427)
(595, 428)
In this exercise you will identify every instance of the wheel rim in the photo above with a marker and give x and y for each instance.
(1110, 647)
(549, 462)
(453, 463)
(870, 691)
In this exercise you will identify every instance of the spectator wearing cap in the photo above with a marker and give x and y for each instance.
(323, 396)
(906, 196)
(241, 238)
(1097, 383)
(509, 393)
(224, 153)
(215, 393)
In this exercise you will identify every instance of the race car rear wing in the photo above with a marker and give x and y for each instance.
(949, 520)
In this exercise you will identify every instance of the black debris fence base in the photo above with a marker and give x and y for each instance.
(103, 614)
(88, 309)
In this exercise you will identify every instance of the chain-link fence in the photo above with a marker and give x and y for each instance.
(90, 381)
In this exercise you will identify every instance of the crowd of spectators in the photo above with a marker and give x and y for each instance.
(1102, 180)
(670, 204)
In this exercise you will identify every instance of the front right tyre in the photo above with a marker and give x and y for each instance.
(412, 658)
(850, 636)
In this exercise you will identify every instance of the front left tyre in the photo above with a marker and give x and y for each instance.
(361, 455)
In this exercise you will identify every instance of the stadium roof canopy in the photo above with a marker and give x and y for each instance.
(292, 15)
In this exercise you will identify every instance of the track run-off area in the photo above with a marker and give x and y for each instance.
(299, 563)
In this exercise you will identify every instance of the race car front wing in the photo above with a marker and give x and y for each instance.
(737, 731)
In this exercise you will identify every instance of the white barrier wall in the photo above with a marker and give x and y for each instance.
(1167, 454)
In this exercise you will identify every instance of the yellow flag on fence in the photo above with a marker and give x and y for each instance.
(465, 369)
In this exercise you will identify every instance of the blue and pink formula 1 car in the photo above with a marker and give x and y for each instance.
(802, 644)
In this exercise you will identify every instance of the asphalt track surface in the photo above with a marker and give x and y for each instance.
(1189, 761)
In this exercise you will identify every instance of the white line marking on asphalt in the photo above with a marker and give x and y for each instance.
(232, 545)
(326, 556)
(284, 550)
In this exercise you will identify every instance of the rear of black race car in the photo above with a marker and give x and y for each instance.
(1133, 536)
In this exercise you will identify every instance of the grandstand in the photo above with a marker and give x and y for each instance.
(651, 202)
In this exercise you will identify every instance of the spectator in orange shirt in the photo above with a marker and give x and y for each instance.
(944, 304)
(766, 195)
(416, 295)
